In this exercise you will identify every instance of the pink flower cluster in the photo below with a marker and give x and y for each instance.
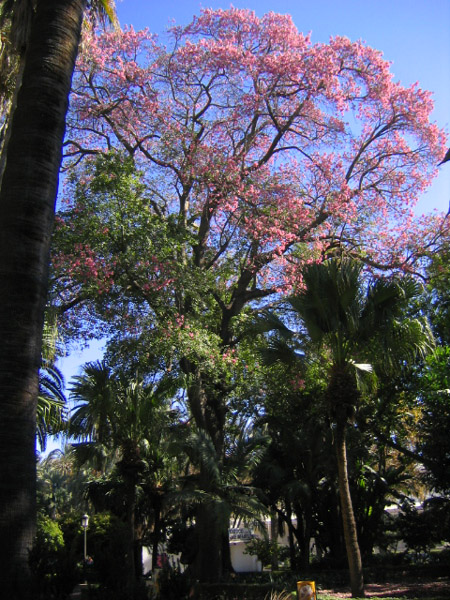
(268, 148)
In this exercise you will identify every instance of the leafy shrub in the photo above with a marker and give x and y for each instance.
(54, 572)
(173, 584)
(417, 529)
(105, 546)
(267, 551)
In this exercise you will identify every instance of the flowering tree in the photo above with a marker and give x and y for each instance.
(260, 152)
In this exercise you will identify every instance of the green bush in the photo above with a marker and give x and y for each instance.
(105, 546)
(54, 572)
(267, 551)
(173, 584)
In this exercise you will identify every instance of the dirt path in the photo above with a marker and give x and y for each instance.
(438, 588)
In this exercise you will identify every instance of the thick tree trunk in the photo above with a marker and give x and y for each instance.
(208, 410)
(348, 517)
(207, 566)
(27, 200)
(227, 565)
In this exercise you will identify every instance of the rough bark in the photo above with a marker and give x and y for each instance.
(27, 200)
(207, 403)
(207, 566)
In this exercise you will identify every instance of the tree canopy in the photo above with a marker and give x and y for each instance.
(205, 174)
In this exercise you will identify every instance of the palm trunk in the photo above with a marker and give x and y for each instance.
(274, 538)
(348, 517)
(27, 200)
(130, 495)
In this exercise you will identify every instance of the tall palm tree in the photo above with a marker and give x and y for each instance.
(357, 324)
(94, 396)
(27, 200)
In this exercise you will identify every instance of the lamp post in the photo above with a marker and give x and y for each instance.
(85, 525)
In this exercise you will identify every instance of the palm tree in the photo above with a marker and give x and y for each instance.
(94, 396)
(219, 489)
(357, 324)
(294, 469)
(27, 199)
(61, 487)
(51, 405)
(124, 419)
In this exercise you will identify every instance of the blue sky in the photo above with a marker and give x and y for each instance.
(412, 34)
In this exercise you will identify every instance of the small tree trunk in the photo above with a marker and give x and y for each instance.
(274, 538)
(292, 553)
(303, 531)
(156, 536)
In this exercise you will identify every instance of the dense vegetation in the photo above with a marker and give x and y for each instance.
(235, 225)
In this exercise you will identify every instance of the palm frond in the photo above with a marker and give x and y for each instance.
(51, 413)
(267, 321)
(105, 12)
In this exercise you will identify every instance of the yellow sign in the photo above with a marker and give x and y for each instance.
(306, 590)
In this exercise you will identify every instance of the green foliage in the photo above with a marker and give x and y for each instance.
(51, 412)
(434, 422)
(60, 486)
(49, 534)
(105, 545)
(225, 488)
(438, 301)
(376, 483)
(417, 529)
(355, 320)
(115, 241)
(298, 469)
(107, 548)
(53, 569)
(173, 584)
(267, 551)
(276, 595)
(423, 528)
